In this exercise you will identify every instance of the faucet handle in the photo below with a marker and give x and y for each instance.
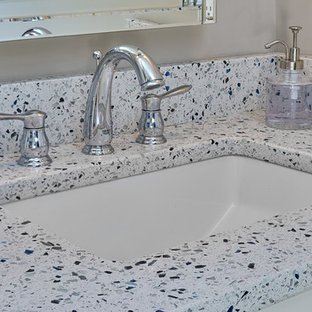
(32, 119)
(151, 102)
(151, 124)
(34, 143)
(176, 91)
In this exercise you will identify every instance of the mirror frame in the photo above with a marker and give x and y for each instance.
(20, 19)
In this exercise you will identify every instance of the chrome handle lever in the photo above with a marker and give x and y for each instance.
(176, 91)
(32, 119)
(11, 116)
(34, 144)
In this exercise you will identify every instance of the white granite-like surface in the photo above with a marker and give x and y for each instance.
(220, 87)
(241, 134)
(238, 271)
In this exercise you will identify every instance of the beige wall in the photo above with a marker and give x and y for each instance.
(295, 12)
(242, 27)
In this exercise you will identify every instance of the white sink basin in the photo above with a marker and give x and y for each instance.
(144, 214)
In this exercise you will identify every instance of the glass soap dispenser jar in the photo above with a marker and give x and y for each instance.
(289, 98)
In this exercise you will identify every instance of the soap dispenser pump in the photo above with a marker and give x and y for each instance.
(289, 98)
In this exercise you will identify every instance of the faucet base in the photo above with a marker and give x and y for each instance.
(151, 140)
(35, 162)
(98, 150)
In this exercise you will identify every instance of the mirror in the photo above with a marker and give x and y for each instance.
(25, 19)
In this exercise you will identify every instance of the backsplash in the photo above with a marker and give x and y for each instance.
(220, 87)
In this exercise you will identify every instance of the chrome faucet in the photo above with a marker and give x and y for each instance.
(98, 117)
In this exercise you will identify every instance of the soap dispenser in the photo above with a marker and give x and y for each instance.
(289, 100)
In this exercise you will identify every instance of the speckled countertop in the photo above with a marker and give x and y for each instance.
(243, 270)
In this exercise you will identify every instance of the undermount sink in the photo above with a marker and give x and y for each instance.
(141, 215)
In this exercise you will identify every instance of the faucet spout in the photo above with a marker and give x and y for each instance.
(97, 130)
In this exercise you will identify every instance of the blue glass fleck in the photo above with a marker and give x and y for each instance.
(239, 84)
(57, 268)
(167, 88)
(130, 287)
(2, 260)
(228, 70)
(28, 252)
(167, 74)
(257, 91)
